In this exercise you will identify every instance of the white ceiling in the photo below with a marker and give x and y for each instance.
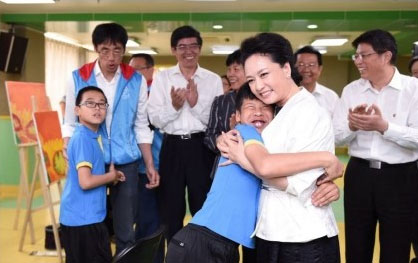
(151, 36)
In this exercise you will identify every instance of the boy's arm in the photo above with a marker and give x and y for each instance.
(89, 181)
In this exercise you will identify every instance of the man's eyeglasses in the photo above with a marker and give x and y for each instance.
(361, 56)
(307, 65)
(106, 52)
(184, 47)
(92, 104)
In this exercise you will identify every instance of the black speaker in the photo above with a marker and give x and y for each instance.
(12, 52)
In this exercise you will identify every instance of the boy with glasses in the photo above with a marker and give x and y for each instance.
(83, 204)
(125, 127)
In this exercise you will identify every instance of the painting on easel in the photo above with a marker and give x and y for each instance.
(51, 144)
(23, 98)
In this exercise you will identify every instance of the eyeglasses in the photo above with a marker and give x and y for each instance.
(361, 56)
(93, 105)
(184, 47)
(106, 52)
(307, 65)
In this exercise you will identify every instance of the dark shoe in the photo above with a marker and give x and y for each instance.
(414, 260)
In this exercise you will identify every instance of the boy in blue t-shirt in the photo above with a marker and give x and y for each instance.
(228, 216)
(83, 202)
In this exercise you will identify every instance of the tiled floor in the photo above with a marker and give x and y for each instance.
(9, 238)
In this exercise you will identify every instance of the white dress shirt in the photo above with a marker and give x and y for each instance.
(289, 216)
(186, 120)
(141, 125)
(326, 97)
(398, 102)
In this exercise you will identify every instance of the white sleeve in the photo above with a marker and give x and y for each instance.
(203, 106)
(142, 131)
(69, 118)
(343, 134)
(160, 108)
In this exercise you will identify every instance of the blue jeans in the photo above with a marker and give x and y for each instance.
(124, 200)
(148, 219)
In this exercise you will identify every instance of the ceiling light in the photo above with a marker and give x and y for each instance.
(217, 27)
(322, 50)
(211, 0)
(224, 49)
(28, 1)
(416, 42)
(61, 38)
(313, 26)
(149, 51)
(132, 43)
(327, 42)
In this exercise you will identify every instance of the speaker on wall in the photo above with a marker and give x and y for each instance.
(12, 52)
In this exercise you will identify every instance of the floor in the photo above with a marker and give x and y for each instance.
(9, 238)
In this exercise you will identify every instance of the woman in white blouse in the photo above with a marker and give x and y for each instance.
(289, 227)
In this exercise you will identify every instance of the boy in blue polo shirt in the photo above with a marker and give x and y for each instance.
(83, 202)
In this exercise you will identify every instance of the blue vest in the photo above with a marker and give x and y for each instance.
(120, 146)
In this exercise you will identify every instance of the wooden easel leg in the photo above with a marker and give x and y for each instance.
(28, 216)
(49, 203)
(23, 183)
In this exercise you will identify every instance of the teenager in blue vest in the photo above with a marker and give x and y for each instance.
(126, 125)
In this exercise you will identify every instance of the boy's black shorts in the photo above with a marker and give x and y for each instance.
(89, 243)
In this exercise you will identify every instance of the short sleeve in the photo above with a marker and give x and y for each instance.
(83, 152)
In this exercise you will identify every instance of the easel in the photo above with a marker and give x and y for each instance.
(42, 176)
(24, 100)
(19, 97)
(24, 185)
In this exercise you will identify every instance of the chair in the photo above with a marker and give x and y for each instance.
(143, 251)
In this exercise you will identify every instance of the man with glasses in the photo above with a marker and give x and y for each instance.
(125, 127)
(309, 66)
(377, 117)
(179, 105)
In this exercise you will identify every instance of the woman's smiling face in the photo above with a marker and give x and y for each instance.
(268, 80)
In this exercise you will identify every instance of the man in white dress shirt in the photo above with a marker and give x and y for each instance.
(378, 119)
(179, 105)
(309, 66)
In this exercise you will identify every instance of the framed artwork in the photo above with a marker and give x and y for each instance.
(24, 98)
(51, 144)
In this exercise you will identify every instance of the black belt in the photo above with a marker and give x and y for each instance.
(185, 136)
(380, 165)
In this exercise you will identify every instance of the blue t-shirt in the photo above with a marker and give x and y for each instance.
(83, 207)
(231, 206)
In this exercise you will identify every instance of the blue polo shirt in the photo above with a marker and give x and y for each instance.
(83, 207)
(231, 206)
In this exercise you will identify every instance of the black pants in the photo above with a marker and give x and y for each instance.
(124, 200)
(183, 163)
(321, 250)
(197, 244)
(89, 243)
(388, 196)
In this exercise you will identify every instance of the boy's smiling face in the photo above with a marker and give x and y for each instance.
(255, 113)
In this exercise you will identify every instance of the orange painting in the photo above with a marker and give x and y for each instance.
(21, 106)
(51, 144)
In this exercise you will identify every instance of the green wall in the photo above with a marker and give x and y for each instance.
(9, 156)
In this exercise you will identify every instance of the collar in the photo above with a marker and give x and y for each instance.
(98, 70)
(90, 133)
(395, 83)
(318, 89)
(199, 72)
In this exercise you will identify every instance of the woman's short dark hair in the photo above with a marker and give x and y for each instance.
(234, 57)
(380, 40)
(109, 32)
(275, 46)
(185, 32)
